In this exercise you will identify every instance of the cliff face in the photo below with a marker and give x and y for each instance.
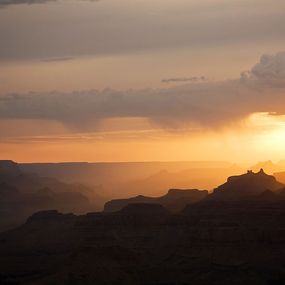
(174, 200)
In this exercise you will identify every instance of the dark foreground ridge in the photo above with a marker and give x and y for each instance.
(214, 241)
(243, 242)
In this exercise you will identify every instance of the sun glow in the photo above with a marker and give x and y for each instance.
(270, 133)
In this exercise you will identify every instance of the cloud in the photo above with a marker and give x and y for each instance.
(209, 104)
(4, 3)
(193, 79)
(57, 59)
(15, 2)
(92, 30)
(270, 71)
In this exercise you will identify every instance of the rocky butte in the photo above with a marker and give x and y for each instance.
(174, 200)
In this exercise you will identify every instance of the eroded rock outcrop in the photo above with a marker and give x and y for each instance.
(174, 200)
(246, 186)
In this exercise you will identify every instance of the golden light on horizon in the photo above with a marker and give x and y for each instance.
(273, 133)
(260, 137)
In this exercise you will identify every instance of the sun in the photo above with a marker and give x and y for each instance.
(268, 131)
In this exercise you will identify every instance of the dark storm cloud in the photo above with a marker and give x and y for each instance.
(4, 3)
(210, 104)
(270, 72)
(15, 2)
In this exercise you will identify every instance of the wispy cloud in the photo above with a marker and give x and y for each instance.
(193, 79)
(57, 59)
(154, 134)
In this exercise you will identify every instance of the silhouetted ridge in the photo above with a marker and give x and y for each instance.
(45, 215)
(246, 185)
(9, 167)
(174, 200)
(184, 193)
(236, 237)
(50, 215)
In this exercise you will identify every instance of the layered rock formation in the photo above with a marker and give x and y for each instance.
(174, 200)
(238, 238)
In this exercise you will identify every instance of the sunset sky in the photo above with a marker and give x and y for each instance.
(142, 80)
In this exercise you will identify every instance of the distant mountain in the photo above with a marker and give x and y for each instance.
(124, 179)
(174, 200)
(280, 176)
(22, 194)
(246, 186)
(277, 169)
(269, 166)
(16, 206)
(199, 178)
(27, 182)
(9, 167)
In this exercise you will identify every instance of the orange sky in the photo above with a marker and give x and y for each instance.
(150, 144)
(125, 80)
